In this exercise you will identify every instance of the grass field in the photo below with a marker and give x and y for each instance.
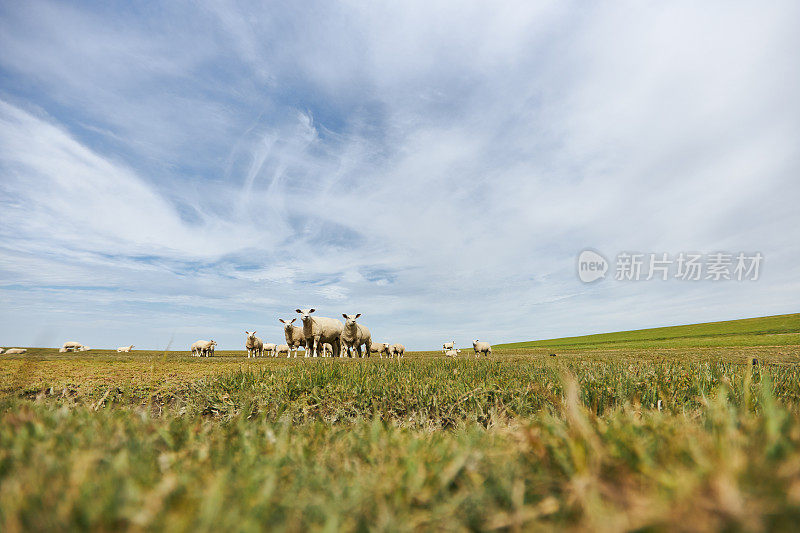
(666, 429)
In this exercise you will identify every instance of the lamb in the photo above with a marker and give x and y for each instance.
(270, 349)
(319, 330)
(254, 345)
(12, 351)
(448, 346)
(481, 347)
(397, 349)
(64, 350)
(452, 353)
(125, 348)
(380, 348)
(294, 335)
(327, 350)
(354, 335)
(2, 350)
(284, 348)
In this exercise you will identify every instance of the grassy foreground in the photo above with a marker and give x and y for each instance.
(602, 439)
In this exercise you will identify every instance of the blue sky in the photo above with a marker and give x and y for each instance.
(198, 169)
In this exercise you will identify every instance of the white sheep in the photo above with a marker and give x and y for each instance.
(397, 349)
(319, 330)
(254, 345)
(452, 352)
(294, 336)
(448, 346)
(64, 350)
(203, 348)
(2, 350)
(270, 349)
(72, 346)
(210, 348)
(354, 335)
(12, 351)
(284, 348)
(481, 347)
(327, 350)
(125, 348)
(379, 348)
(195, 348)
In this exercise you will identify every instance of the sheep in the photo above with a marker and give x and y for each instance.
(84, 349)
(203, 348)
(452, 353)
(195, 348)
(254, 345)
(481, 347)
(284, 348)
(12, 351)
(64, 350)
(397, 349)
(72, 346)
(354, 335)
(379, 348)
(2, 350)
(294, 335)
(270, 349)
(319, 330)
(210, 348)
(448, 346)
(327, 350)
(125, 348)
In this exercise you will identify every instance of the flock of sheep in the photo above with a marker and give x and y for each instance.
(319, 337)
(326, 337)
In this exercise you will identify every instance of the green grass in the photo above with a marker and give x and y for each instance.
(598, 437)
(779, 330)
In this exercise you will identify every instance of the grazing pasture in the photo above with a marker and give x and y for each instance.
(669, 429)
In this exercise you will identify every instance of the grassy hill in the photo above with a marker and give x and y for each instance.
(778, 330)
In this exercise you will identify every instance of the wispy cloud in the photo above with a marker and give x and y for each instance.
(435, 166)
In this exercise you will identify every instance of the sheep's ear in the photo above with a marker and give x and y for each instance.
(281, 321)
(311, 310)
(297, 310)
(358, 315)
(292, 321)
(345, 316)
(254, 332)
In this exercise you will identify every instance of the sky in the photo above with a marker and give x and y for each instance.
(193, 170)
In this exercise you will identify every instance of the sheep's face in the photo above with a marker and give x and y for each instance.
(385, 345)
(251, 336)
(350, 320)
(287, 324)
(475, 342)
(305, 314)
